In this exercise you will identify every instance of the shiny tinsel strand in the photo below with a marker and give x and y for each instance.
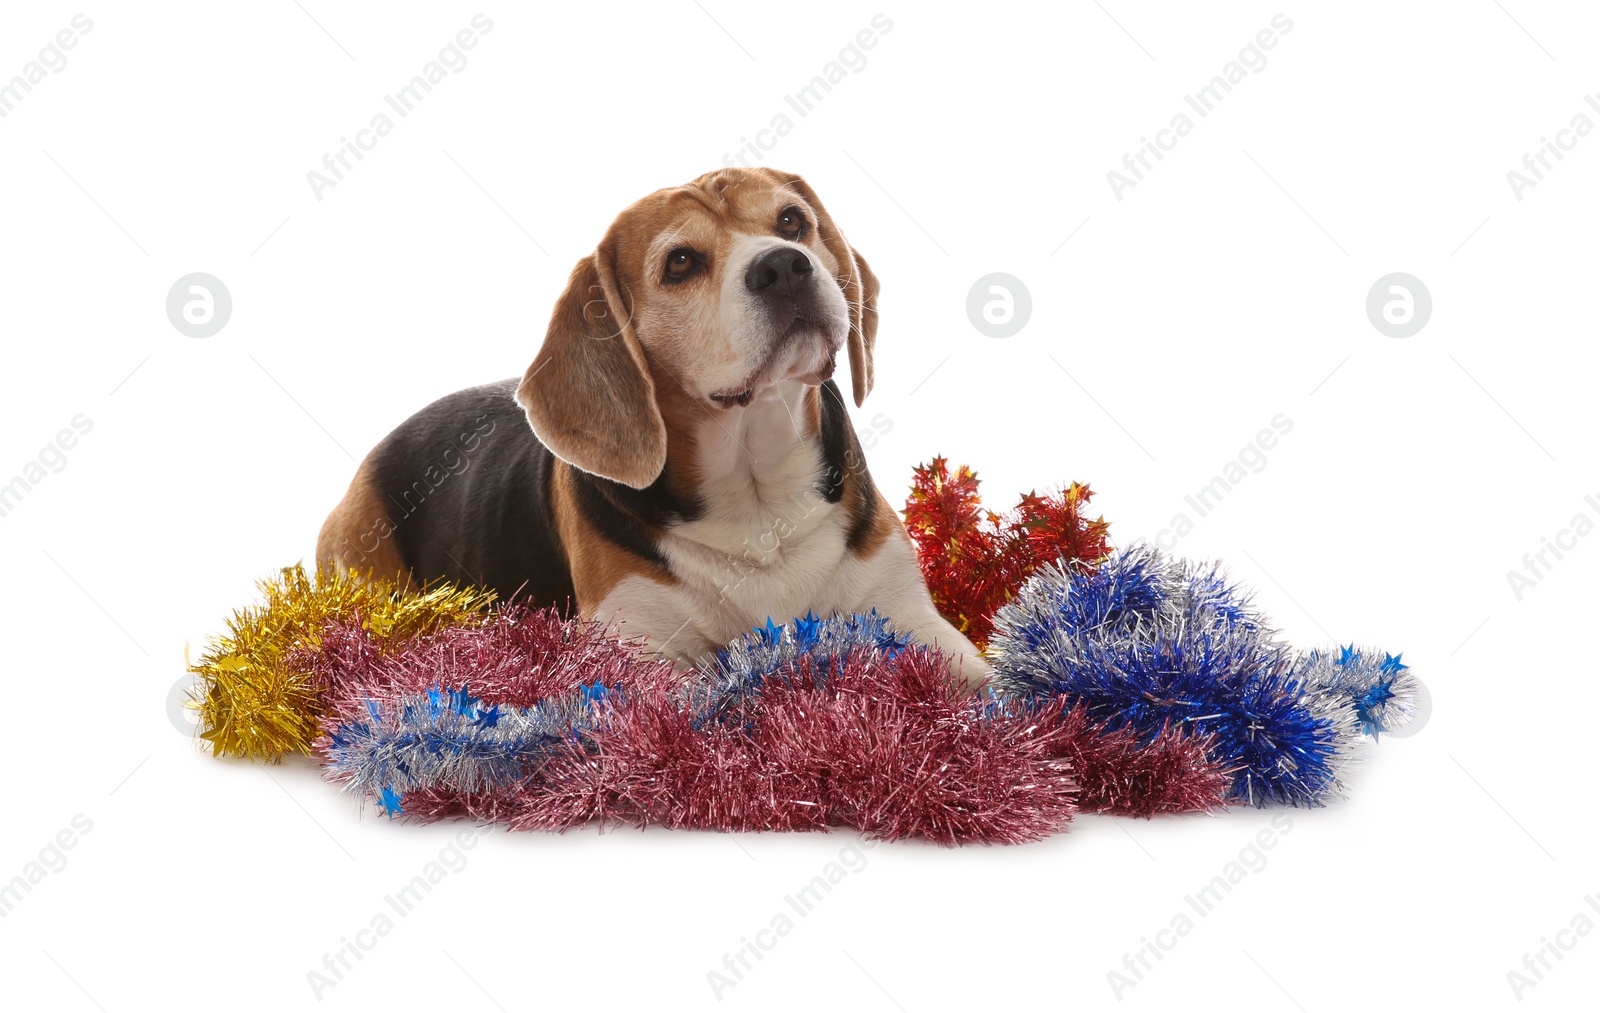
(1120, 771)
(974, 559)
(880, 741)
(517, 655)
(472, 708)
(255, 695)
(1152, 644)
(738, 670)
(1376, 684)
(449, 737)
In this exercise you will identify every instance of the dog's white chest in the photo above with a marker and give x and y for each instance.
(777, 550)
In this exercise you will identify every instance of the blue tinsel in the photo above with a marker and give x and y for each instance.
(1376, 684)
(1144, 641)
(737, 672)
(449, 736)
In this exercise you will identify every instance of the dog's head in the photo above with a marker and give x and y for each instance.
(715, 293)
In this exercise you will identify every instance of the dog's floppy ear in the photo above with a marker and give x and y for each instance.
(588, 393)
(860, 287)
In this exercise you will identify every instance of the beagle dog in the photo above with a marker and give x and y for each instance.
(677, 460)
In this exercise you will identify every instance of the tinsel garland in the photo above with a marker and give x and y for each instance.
(1381, 690)
(974, 559)
(1144, 642)
(473, 706)
(256, 696)
(1129, 684)
(450, 737)
(735, 676)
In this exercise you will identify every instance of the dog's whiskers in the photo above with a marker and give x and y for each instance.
(794, 422)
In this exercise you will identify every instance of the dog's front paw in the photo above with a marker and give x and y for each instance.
(969, 670)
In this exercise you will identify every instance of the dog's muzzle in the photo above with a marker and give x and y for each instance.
(783, 283)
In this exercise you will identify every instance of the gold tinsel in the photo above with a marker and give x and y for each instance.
(254, 702)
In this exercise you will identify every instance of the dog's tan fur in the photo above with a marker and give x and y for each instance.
(603, 565)
(359, 533)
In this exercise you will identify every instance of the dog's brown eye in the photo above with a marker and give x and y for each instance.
(792, 222)
(681, 263)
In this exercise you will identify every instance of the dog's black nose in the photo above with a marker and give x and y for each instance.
(781, 271)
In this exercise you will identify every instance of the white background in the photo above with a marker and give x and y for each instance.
(1227, 287)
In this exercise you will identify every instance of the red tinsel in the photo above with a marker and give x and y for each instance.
(518, 656)
(974, 559)
(1117, 776)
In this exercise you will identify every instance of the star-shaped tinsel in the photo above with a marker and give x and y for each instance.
(389, 801)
